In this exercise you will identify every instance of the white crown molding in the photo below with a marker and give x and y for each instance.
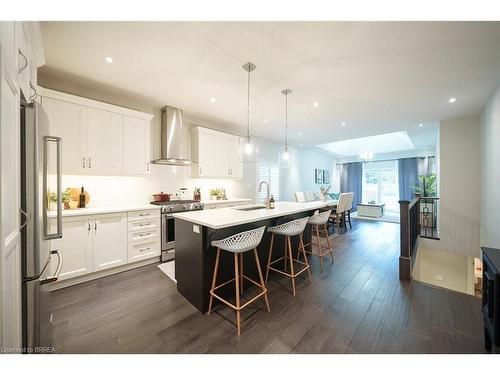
(48, 93)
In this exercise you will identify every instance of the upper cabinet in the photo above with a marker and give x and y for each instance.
(98, 138)
(216, 154)
(104, 141)
(136, 145)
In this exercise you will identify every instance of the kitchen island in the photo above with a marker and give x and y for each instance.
(195, 257)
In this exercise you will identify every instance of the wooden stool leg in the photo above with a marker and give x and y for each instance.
(320, 249)
(241, 273)
(305, 257)
(291, 263)
(286, 256)
(269, 257)
(329, 243)
(237, 289)
(214, 278)
(260, 277)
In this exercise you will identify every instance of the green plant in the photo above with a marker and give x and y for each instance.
(66, 196)
(52, 197)
(427, 185)
(214, 191)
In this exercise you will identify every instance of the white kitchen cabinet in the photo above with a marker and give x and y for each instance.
(75, 246)
(98, 138)
(68, 121)
(104, 141)
(217, 154)
(109, 242)
(136, 145)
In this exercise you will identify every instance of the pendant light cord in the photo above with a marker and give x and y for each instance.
(248, 107)
(286, 121)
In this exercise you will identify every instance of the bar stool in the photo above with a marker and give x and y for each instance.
(289, 229)
(319, 220)
(238, 244)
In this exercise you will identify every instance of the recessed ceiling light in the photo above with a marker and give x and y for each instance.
(266, 120)
(420, 125)
(300, 133)
(343, 124)
(108, 59)
(452, 100)
(315, 104)
(213, 100)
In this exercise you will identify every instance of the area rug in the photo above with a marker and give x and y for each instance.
(388, 217)
(168, 268)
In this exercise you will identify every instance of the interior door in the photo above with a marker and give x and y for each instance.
(10, 238)
(104, 141)
(109, 242)
(67, 120)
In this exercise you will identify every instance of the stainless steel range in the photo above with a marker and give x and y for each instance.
(168, 223)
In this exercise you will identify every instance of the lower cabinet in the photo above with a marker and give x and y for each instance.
(75, 246)
(109, 242)
(98, 242)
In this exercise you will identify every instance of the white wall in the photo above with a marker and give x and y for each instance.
(490, 172)
(459, 187)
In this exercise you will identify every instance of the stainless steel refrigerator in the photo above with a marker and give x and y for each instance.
(41, 164)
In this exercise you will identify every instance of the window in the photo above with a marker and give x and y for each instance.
(272, 176)
(380, 184)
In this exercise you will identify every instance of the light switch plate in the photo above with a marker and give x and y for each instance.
(196, 228)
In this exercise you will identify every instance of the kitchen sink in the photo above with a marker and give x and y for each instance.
(251, 208)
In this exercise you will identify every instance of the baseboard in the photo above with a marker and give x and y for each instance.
(97, 275)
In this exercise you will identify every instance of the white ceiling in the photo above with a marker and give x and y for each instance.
(382, 143)
(378, 77)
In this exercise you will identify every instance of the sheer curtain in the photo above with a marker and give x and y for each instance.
(351, 180)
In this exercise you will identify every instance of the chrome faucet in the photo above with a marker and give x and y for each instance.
(268, 201)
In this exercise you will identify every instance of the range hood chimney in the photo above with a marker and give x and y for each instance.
(172, 147)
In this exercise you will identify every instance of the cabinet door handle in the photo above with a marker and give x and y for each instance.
(145, 249)
(88, 221)
(27, 218)
(90, 162)
(83, 162)
(143, 214)
(25, 61)
(200, 170)
(147, 166)
(95, 225)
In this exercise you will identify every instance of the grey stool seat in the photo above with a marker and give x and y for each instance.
(241, 242)
(238, 244)
(289, 229)
(319, 220)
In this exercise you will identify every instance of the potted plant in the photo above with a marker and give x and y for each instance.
(214, 193)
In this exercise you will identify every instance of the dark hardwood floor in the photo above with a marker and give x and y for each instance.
(357, 305)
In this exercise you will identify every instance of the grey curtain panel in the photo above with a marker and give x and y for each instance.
(408, 170)
(351, 180)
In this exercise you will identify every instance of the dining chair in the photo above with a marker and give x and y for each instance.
(348, 209)
(337, 218)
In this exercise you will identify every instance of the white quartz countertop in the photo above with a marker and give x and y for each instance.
(222, 201)
(218, 218)
(104, 210)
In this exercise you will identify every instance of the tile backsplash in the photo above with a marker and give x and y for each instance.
(130, 190)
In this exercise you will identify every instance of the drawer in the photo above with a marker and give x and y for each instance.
(143, 225)
(143, 236)
(144, 250)
(143, 215)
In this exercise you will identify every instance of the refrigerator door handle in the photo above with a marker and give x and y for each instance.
(58, 142)
(27, 218)
(55, 277)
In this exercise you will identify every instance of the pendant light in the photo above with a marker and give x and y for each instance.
(251, 147)
(285, 161)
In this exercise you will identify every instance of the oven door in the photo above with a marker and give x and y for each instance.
(167, 237)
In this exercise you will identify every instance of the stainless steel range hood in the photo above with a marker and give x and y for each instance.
(173, 150)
